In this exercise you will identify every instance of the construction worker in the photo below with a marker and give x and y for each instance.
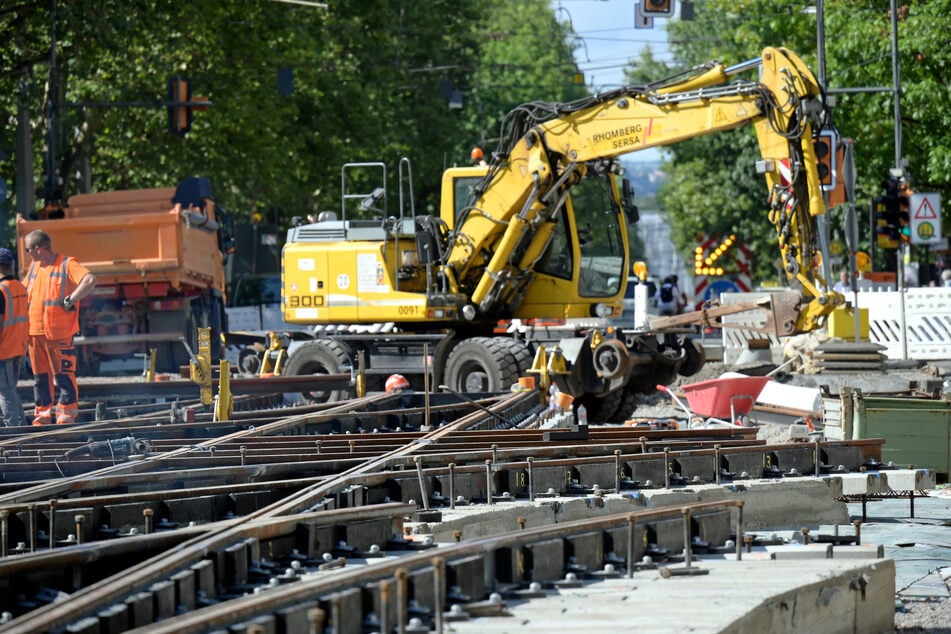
(55, 284)
(14, 333)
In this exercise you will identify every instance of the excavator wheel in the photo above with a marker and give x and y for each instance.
(480, 364)
(249, 361)
(603, 409)
(321, 357)
(521, 354)
(695, 359)
(627, 405)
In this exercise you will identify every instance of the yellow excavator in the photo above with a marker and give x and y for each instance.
(527, 262)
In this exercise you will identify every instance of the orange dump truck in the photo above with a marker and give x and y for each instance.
(158, 256)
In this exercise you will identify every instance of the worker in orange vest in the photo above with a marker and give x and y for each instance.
(55, 284)
(14, 333)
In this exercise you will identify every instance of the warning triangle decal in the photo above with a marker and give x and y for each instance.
(718, 116)
(925, 211)
(740, 111)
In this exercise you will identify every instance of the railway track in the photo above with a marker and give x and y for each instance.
(297, 519)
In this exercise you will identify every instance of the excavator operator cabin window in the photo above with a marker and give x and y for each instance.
(598, 223)
(558, 259)
(462, 192)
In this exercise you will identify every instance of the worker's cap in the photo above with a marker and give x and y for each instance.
(6, 257)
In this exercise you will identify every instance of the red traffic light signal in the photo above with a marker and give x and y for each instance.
(179, 112)
(657, 8)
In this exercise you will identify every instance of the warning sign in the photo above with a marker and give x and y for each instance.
(924, 212)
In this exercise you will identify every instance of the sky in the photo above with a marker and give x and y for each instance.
(608, 40)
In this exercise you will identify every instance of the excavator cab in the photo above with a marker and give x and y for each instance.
(584, 268)
(581, 266)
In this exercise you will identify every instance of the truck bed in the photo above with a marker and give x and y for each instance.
(133, 237)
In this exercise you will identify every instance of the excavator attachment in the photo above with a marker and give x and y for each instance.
(782, 312)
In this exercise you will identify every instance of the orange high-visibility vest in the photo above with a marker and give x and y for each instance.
(58, 323)
(16, 323)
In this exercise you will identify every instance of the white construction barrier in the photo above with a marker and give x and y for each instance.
(735, 340)
(911, 324)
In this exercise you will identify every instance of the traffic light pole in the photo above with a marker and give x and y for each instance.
(821, 223)
(895, 90)
(896, 85)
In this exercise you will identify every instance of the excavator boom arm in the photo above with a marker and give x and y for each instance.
(553, 143)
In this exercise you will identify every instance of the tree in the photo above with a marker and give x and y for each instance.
(714, 189)
(367, 80)
(523, 54)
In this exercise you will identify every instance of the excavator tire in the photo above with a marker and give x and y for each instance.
(521, 354)
(640, 385)
(320, 357)
(480, 364)
(249, 361)
(627, 405)
(695, 359)
(603, 409)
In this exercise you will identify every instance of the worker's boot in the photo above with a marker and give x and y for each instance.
(66, 414)
(43, 415)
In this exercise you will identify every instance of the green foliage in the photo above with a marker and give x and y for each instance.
(713, 188)
(368, 85)
(524, 55)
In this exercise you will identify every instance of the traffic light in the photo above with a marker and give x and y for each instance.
(888, 212)
(179, 113)
(657, 8)
(826, 154)
(830, 163)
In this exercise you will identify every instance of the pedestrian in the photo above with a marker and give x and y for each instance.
(55, 285)
(14, 333)
(667, 300)
(843, 285)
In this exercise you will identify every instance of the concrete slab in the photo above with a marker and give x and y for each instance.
(916, 553)
(919, 545)
(766, 503)
(749, 596)
(862, 551)
(931, 586)
(909, 479)
(870, 483)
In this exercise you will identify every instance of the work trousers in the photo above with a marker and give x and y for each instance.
(10, 403)
(54, 369)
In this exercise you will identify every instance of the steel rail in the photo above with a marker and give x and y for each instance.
(139, 576)
(455, 466)
(112, 428)
(335, 483)
(437, 465)
(261, 528)
(49, 489)
(435, 452)
(190, 389)
(239, 610)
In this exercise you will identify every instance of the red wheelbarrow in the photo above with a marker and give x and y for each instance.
(727, 400)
